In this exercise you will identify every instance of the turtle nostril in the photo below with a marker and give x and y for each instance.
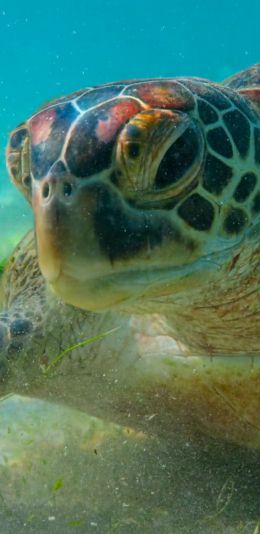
(46, 190)
(67, 189)
(62, 189)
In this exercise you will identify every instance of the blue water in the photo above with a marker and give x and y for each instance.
(52, 48)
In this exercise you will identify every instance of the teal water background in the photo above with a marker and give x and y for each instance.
(52, 48)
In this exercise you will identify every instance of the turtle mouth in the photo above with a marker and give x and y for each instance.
(125, 288)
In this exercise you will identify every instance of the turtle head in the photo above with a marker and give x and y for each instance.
(130, 200)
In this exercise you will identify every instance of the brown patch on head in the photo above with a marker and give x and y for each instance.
(163, 94)
(41, 125)
(91, 143)
(48, 131)
(117, 115)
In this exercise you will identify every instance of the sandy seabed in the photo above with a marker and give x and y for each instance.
(62, 470)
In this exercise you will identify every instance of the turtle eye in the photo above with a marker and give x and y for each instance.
(179, 161)
(159, 154)
(18, 160)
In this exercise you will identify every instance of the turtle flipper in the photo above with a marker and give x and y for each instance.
(247, 83)
(4, 344)
(21, 320)
(14, 334)
(244, 79)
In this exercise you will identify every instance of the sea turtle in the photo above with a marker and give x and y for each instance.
(146, 199)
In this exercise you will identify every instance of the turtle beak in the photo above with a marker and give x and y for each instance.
(66, 239)
(46, 233)
(78, 248)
